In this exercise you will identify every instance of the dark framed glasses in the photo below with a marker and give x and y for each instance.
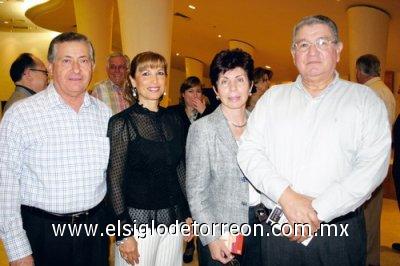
(40, 70)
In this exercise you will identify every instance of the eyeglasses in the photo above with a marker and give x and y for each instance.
(119, 68)
(40, 70)
(321, 44)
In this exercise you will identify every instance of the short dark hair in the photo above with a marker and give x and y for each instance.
(190, 82)
(260, 72)
(318, 19)
(69, 37)
(229, 59)
(369, 64)
(18, 67)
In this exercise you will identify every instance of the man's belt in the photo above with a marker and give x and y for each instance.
(65, 217)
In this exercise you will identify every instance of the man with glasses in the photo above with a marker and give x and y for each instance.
(111, 91)
(317, 147)
(29, 75)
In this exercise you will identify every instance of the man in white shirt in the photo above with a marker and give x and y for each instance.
(318, 147)
(368, 68)
(53, 161)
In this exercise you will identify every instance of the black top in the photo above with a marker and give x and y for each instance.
(146, 169)
(396, 158)
(180, 110)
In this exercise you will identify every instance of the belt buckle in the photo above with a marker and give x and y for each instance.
(75, 217)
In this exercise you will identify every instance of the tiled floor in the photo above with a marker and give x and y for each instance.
(390, 228)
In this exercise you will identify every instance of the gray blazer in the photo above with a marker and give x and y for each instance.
(216, 189)
(19, 94)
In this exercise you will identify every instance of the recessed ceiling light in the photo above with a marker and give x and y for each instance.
(219, 36)
(267, 66)
(192, 7)
(177, 54)
(5, 22)
(1, 2)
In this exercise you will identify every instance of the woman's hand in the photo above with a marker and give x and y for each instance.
(189, 222)
(199, 105)
(129, 250)
(220, 252)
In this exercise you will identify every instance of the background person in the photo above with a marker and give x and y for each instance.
(192, 106)
(262, 82)
(111, 91)
(29, 75)
(368, 68)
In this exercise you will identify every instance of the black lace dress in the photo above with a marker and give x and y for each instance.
(146, 170)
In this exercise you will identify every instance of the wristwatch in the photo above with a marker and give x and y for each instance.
(120, 242)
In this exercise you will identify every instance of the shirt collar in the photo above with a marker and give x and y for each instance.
(373, 80)
(115, 86)
(32, 92)
(300, 86)
(55, 99)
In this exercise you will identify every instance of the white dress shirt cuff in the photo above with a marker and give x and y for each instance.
(324, 210)
(275, 188)
(17, 246)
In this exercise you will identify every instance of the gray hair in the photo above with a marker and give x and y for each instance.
(119, 54)
(318, 19)
(369, 65)
(68, 37)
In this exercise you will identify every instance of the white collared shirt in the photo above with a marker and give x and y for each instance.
(51, 158)
(334, 147)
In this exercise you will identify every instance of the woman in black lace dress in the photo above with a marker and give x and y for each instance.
(146, 170)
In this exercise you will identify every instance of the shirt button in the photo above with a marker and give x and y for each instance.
(244, 203)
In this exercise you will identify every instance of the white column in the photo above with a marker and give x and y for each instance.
(242, 45)
(146, 25)
(94, 19)
(368, 34)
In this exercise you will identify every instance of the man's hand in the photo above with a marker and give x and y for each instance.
(25, 261)
(220, 252)
(298, 209)
(129, 250)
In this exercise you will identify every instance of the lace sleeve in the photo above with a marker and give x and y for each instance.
(118, 132)
(181, 167)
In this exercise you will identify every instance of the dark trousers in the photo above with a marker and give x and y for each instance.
(251, 253)
(50, 250)
(322, 250)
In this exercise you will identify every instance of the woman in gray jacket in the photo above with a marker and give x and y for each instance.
(216, 188)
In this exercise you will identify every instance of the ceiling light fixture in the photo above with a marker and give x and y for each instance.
(1, 2)
(268, 67)
(192, 7)
(177, 54)
(5, 22)
(219, 36)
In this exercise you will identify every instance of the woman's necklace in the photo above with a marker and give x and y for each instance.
(236, 125)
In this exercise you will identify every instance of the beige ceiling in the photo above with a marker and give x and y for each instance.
(265, 24)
